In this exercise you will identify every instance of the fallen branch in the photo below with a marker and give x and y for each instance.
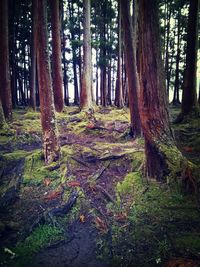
(105, 193)
(80, 162)
(101, 171)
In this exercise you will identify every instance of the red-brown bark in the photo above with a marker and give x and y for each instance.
(5, 83)
(56, 56)
(49, 128)
(131, 69)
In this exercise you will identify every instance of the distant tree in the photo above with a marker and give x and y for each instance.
(33, 54)
(86, 97)
(5, 83)
(162, 156)
(189, 100)
(48, 120)
(56, 56)
(131, 68)
(119, 101)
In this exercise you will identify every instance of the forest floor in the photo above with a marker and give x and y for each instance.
(93, 208)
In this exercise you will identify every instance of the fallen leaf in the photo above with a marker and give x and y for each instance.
(52, 195)
(188, 149)
(90, 126)
(120, 217)
(182, 263)
(47, 182)
(82, 218)
(73, 184)
(101, 225)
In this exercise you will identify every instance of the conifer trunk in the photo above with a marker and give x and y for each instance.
(5, 83)
(48, 120)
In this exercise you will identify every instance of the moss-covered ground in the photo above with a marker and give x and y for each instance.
(119, 218)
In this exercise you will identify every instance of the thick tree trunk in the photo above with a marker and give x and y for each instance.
(5, 84)
(33, 54)
(49, 127)
(56, 56)
(189, 100)
(162, 156)
(86, 97)
(133, 79)
(119, 102)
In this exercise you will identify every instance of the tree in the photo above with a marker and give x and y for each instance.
(33, 54)
(163, 159)
(2, 118)
(119, 102)
(56, 56)
(189, 100)
(5, 84)
(131, 68)
(49, 127)
(86, 98)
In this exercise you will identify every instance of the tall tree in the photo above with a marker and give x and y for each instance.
(162, 156)
(119, 102)
(48, 120)
(5, 84)
(189, 100)
(56, 56)
(131, 68)
(86, 97)
(33, 54)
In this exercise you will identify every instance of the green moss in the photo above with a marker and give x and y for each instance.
(40, 238)
(190, 241)
(17, 154)
(30, 115)
(35, 171)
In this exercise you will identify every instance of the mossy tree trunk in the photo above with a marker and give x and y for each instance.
(48, 120)
(2, 118)
(189, 100)
(86, 97)
(131, 69)
(56, 56)
(5, 83)
(163, 159)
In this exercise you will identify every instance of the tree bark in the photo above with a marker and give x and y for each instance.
(163, 159)
(48, 120)
(86, 97)
(119, 102)
(5, 83)
(33, 54)
(189, 100)
(56, 56)
(131, 68)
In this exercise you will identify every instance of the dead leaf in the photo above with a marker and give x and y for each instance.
(52, 195)
(90, 126)
(120, 217)
(101, 225)
(73, 184)
(82, 218)
(188, 149)
(182, 263)
(47, 182)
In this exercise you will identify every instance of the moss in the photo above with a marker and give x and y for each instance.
(31, 115)
(189, 241)
(35, 171)
(17, 154)
(40, 238)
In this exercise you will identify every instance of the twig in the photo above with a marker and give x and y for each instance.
(80, 162)
(105, 193)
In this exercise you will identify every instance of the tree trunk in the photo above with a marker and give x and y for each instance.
(56, 56)
(86, 98)
(189, 100)
(163, 159)
(119, 102)
(33, 54)
(133, 80)
(2, 118)
(5, 84)
(49, 127)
